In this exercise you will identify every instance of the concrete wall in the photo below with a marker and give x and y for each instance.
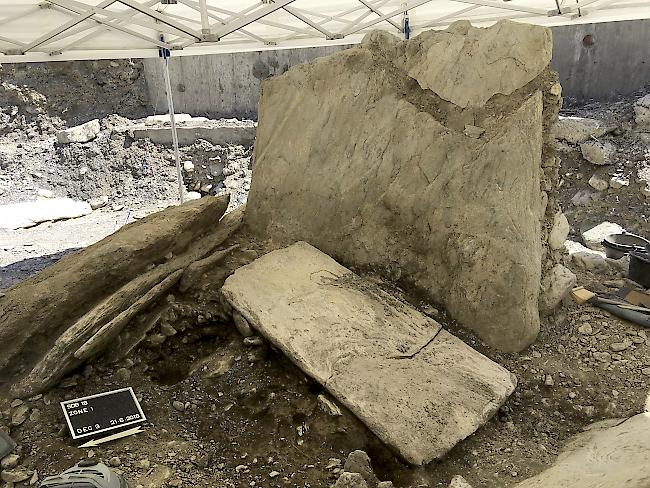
(222, 85)
(617, 63)
(227, 85)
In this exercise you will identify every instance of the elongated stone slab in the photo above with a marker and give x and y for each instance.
(417, 387)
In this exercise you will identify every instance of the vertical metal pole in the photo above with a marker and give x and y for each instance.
(205, 22)
(170, 106)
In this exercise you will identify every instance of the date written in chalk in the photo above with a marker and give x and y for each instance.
(103, 412)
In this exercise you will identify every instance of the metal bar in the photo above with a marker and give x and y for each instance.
(507, 6)
(310, 23)
(95, 31)
(114, 26)
(6, 20)
(262, 21)
(11, 41)
(375, 11)
(451, 15)
(68, 25)
(354, 22)
(170, 106)
(330, 18)
(218, 19)
(161, 18)
(250, 18)
(70, 5)
(399, 11)
(494, 18)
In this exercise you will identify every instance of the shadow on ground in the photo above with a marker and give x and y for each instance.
(20, 270)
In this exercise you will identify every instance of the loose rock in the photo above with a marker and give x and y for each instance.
(19, 415)
(579, 129)
(10, 461)
(81, 133)
(328, 406)
(619, 346)
(557, 284)
(350, 480)
(642, 111)
(559, 232)
(459, 482)
(599, 153)
(14, 476)
(594, 236)
(617, 182)
(122, 375)
(598, 183)
(242, 324)
(359, 462)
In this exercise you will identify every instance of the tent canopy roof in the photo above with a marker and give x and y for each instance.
(51, 30)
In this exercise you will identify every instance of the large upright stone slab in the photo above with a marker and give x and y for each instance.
(431, 160)
(417, 387)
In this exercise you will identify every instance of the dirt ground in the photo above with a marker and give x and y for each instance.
(223, 413)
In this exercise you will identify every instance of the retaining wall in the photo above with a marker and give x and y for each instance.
(614, 61)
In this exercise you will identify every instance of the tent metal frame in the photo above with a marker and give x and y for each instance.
(207, 24)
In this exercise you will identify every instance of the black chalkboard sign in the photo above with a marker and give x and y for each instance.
(112, 410)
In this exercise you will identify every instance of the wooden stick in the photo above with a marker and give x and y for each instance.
(132, 336)
(60, 358)
(194, 271)
(111, 330)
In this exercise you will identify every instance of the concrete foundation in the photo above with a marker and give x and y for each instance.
(614, 61)
(241, 136)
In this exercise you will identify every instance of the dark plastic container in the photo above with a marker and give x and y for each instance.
(618, 245)
(640, 268)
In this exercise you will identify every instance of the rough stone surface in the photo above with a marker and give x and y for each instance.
(586, 258)
(28, 214)
(81, 133)
(417, 387)
(242, 325)
(599, 153)
(14, 475)
(559, 231)
(579, 129)
(467, 57)
(359, 462)
(602, 458)
(617, 182)
(555, 286)
(642, 111)
(598, 183)
(459, 482)
(350, 480)
(594, 237)
(10, 461)
(377, 171)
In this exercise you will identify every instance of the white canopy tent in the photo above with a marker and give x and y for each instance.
(51, 30)
(57, 30)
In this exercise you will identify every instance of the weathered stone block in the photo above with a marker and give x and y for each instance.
(364, 155)
(81, 133)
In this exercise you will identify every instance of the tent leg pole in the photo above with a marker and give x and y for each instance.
(170, 106)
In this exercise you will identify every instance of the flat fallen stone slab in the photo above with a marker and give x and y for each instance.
(28, 214)
(611, 454)
(417, 387)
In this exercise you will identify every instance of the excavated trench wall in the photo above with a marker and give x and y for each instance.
(429, 159)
